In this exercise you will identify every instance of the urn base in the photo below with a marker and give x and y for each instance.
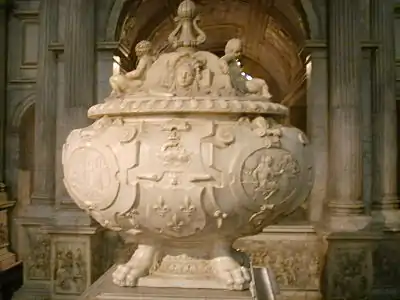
(217, 266)
(104, 289)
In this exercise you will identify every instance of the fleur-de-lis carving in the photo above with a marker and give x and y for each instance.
(187, 207)
(161, 208)
(175, 224)
(220, 216)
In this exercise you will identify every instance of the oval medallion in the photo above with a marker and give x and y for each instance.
(90, 176)
(267, 172)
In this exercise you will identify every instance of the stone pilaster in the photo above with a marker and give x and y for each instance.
(46, 107)
(318, 128)
(3, 82)
(385, 201)
(345, 153)
(79, 74)
(80, 54)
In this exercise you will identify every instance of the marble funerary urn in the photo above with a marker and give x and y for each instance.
(185, 156)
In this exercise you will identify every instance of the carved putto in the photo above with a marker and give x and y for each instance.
(185, 156)
(132, 81)
(255, 86)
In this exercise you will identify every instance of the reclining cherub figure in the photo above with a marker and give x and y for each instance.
(255, 86)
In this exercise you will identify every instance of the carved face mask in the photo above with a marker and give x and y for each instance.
(185, 75)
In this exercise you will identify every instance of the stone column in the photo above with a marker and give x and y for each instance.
(79, 74)
(385, 201)
(45, 107)
(80, 54)
(318, 128)
(345, 153)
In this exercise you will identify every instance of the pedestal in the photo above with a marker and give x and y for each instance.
(7, 259)
(76, 260)
(104, 289)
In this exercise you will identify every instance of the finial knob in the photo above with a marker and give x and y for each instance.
(187, 10)
(187, 34)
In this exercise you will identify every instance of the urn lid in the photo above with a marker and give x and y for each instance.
(187, 80)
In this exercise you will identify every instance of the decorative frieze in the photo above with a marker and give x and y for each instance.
(296, 262)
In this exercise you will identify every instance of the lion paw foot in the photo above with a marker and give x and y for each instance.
(138, 266)
(235, 277)
(126, 275)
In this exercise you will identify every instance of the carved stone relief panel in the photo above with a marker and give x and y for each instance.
(295, 262)
(386, 264)
(70, 265)
(37, 258)
(349, 271)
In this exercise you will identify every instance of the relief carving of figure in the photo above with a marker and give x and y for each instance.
(133, 80)
(228, 64)
(264, 171)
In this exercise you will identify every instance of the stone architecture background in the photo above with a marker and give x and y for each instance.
(335, 63)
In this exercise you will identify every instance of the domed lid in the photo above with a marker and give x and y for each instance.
(187, 80)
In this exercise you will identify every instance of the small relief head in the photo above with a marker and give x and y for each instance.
(143, 48)
(234, 46)
(185, 74)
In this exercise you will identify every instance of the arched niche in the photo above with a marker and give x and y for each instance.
(27, 140)
(274, 35)
(21, 140)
